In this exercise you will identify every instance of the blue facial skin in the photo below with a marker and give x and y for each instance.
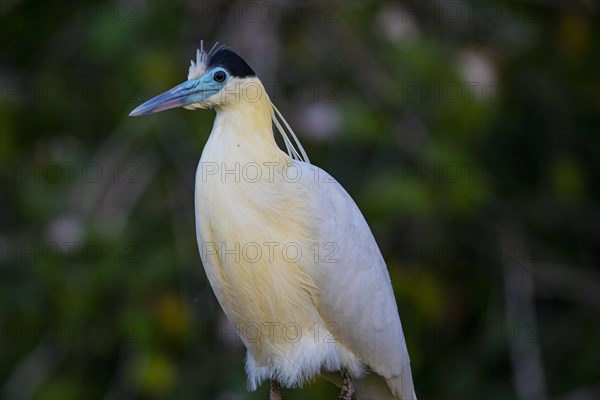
(188, 92)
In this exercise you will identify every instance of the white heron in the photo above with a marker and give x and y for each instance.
(286, 250)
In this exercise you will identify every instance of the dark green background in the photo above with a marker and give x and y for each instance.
(467, 132)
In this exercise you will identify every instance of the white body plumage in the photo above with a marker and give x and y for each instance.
(291, 259)
(287, 252)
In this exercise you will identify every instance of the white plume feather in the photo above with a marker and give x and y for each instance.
(198, 68)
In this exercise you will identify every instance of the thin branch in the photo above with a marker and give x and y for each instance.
(528, 372)
(34, 369)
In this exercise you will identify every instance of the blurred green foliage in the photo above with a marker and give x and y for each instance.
(467, 132)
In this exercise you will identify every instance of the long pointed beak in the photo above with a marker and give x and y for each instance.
(178, 96)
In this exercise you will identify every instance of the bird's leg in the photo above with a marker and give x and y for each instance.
(275, 393)
(347, 392)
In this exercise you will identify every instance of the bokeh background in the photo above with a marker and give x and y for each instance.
(466, 131)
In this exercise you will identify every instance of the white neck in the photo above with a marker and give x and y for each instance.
(243, 126)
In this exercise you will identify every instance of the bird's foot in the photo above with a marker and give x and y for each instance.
(348, 392)
(275, 393)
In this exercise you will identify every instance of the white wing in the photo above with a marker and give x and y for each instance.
(356, 292)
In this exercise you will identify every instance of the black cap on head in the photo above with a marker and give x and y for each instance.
(231, 62)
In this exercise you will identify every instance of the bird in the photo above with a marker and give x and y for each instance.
(286, 250)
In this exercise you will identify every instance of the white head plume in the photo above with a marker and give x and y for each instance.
(199, 67)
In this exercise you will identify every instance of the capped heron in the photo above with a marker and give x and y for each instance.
(286, 250)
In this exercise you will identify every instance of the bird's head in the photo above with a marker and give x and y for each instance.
(216, 78)
(222, 79)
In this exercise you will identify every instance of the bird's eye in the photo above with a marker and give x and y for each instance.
(219, 76)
